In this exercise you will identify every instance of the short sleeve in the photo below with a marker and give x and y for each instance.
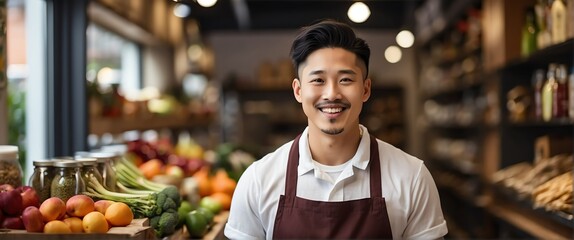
(426, 221)
(244, 220)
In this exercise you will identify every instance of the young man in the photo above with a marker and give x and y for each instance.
(335, 180)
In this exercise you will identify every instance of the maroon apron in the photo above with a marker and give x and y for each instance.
(362, 218)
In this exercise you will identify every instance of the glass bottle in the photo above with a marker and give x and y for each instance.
(571, 91)
(544, 38)
(41, 179)
(529, 34)
(537, 83)
(67, 180)
(109, 177)
(558, 13)
(90, 170)
(560, 98)
(10, 169)
(548, 93)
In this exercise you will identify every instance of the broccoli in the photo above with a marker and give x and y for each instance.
(167, 223)
(173, 193)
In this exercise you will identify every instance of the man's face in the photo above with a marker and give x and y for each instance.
(331, 89)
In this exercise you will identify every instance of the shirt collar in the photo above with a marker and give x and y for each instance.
(360, 160)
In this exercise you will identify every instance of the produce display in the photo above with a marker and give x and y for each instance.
(179, 189)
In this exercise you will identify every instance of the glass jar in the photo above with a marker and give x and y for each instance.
(67, 180)
(109, 177)
(41, 179)
(10, 169)
(90, 170)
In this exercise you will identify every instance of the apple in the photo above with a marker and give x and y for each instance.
(29, 196)
(174, 171)
(11, 203)
(1, 217)
(13, 223)
(102, 205)
(193, 165)
(53, 208)
(32, 219)
(79, 205)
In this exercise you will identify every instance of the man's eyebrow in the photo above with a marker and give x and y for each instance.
(344, 71)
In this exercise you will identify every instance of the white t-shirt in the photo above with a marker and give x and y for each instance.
(412, 200)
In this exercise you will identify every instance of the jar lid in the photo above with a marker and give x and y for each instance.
(67, 163)
(102, 156)
(43, 163)
(87, 161)
(8, 152)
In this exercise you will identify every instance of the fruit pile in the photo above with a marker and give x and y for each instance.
(79, 214)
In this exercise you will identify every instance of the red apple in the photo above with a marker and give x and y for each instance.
(29, 196)
(193, 165)
(13, 223)
(11, 203)
(32, 219)
(1, 217)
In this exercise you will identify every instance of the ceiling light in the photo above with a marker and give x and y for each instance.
(181, 10)
(405, 39)
(393, 54)
(206, 3)
(359, 12)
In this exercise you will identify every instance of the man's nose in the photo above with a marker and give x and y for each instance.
(332, 91)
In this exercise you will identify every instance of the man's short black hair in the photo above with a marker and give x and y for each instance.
(328, 34)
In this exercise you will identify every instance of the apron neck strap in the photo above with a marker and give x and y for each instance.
(293, 163)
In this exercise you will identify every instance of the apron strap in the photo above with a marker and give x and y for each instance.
(293, 162)
(375, 167)
(291, 175)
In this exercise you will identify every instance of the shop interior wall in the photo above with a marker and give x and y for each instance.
(242, 53)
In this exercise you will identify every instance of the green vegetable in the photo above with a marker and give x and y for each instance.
(150, 205)
(167, 223)
(131, 180)
(196, 224)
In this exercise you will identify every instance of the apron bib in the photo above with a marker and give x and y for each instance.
(362, 218)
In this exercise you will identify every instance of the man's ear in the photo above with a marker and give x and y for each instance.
(297, 89)
(366, 89)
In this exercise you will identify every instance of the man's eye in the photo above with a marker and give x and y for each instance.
(346, 80)
(317, 80)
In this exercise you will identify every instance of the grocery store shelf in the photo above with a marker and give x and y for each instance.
(529, 221)
(100, 126)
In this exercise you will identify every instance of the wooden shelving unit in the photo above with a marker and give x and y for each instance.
(100, 126)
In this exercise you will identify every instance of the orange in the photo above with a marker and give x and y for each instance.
(223, 198)
(221, 182)
(75, 224)
(119, 214)
(56, 226)
(95, 222)
(203, 181)
(151, 168)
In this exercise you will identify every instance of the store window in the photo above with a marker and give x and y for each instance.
(113, 61)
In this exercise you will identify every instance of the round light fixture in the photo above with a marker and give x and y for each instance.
(359, 12)
(405, 39)
(181, 10)
(206, 3)
(393, 54)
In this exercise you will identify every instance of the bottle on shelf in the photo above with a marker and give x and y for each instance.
(560, 97)
(529, 34)
(558, 13)
(537, 84)
(571, 93)
(548, 92)
(544, 38)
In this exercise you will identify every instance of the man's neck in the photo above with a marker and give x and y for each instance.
(333, 149)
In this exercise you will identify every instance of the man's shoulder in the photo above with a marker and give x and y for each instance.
(273, 160)
(394, 157)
